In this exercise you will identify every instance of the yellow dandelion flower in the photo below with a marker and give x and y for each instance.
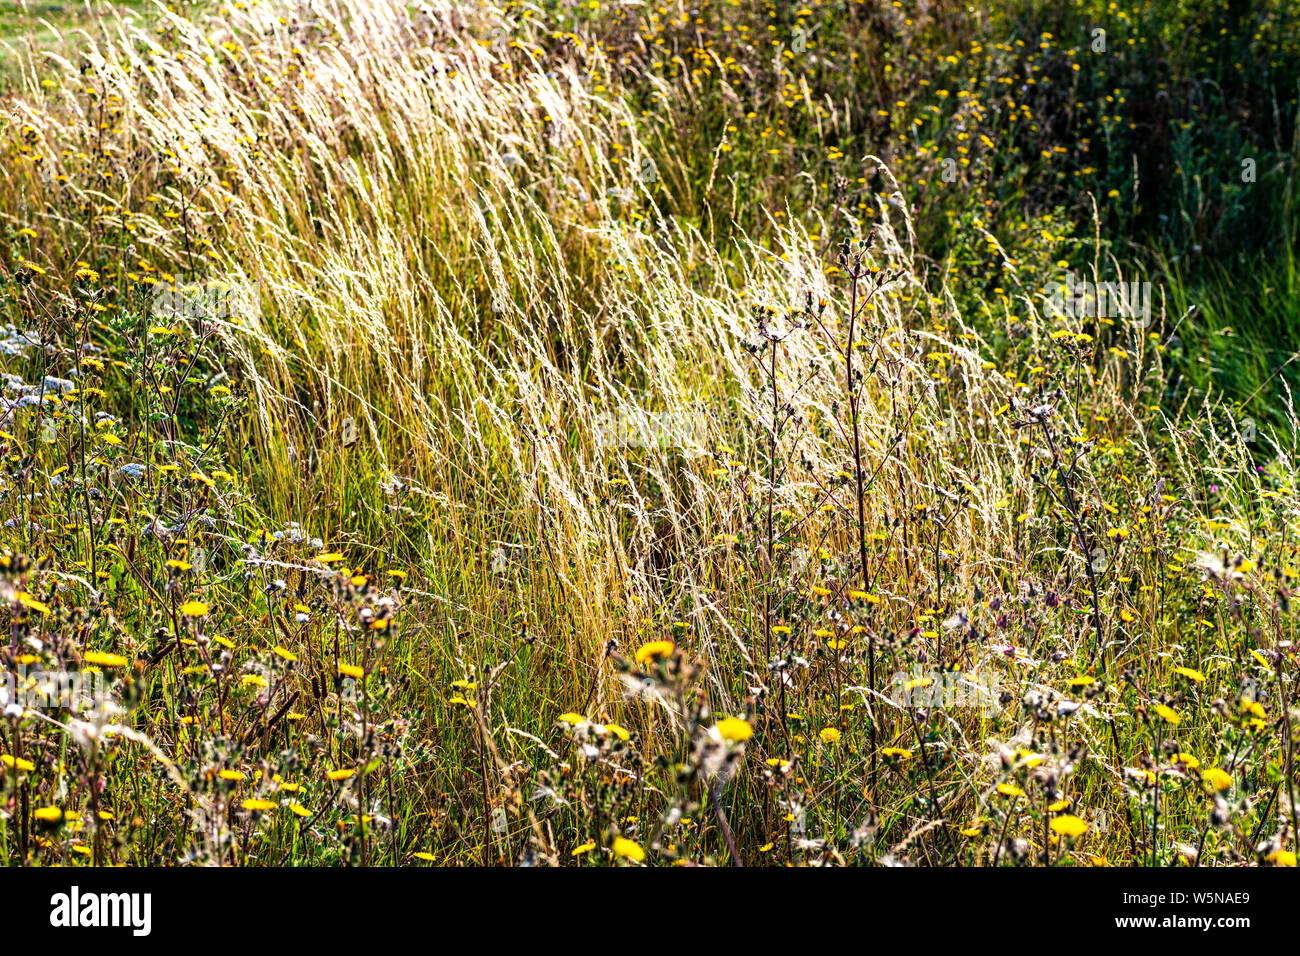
(101, 659)
(653, 650)
(26, 600)
(1068, 825)
(735, 729)
(628, 850)
(1217, 779)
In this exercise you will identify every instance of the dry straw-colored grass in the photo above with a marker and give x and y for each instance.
(455, 249)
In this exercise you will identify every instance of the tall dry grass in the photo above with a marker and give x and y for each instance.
(458, 252)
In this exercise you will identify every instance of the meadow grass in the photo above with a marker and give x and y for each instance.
(53, 25)
(582, 435)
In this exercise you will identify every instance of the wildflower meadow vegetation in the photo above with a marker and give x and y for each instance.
(607, 433)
